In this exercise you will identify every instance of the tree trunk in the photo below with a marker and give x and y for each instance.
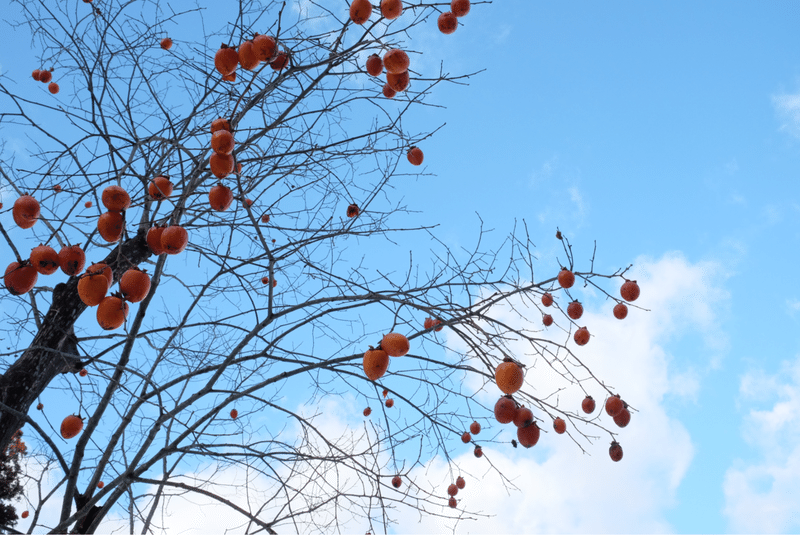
(54, 349)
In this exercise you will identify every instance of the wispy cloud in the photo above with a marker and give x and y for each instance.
(576, 197)
(761, 496)
(788, 109)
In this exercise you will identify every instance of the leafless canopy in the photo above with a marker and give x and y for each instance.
(215, 333)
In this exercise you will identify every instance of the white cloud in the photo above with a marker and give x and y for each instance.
(576, 197)
(558, 488)
(761, 496)
(788, 108)
(562, 490)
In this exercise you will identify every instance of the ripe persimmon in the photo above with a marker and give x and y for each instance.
(26, 211)
(221, 164)
(24, 514)
(71, 426)
(391, 9)
(222, 142)
(509, 376)
(234, 413)
(398, 82)
(45, 76)
(220, 197)
(478, 452)
(160, 188)
(226, 60)
(116, 199)
(367, 411)
(248, 56)
(629, 291)
(447, 22)
(415, 156)
(220, 124)
(547, 319)
(134, 285)
(559, 425)
(102, 267)
(92, 287)
(620, 311)
(84, 372)
(374, 65)
(53, 88)
(360, 10)
(547, 299)
(44, 259)
(614, 405)
(71, 259)
(389, 403)
(575, 310)
(280, 61)
(615, 451)
(505, 409)
(582, 336)
(475, 428)
(174, 239)
(265, 47)
(353, 210)
(466, 437)
(460, 483)
(528, 436)
(396, 482)
(111, 312)
(452, 490)
(110, 225)
(376, 362)
(523, 417)
(166, 43)
(623, 417)
(588, 404)
(395, 344)
(388, 92)
(566, 278)
(154, 240)
(20, 277)
(452, 501)
(396, 61)
(459, 8)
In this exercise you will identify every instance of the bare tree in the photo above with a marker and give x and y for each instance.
(274, 301)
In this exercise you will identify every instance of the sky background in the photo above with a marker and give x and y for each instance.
(669, 132)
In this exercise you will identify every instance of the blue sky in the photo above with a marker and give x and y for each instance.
(669, 132)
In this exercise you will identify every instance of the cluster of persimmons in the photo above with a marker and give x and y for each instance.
(509, 377)
(134, 284)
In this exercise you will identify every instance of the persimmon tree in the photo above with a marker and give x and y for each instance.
(243, 252)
